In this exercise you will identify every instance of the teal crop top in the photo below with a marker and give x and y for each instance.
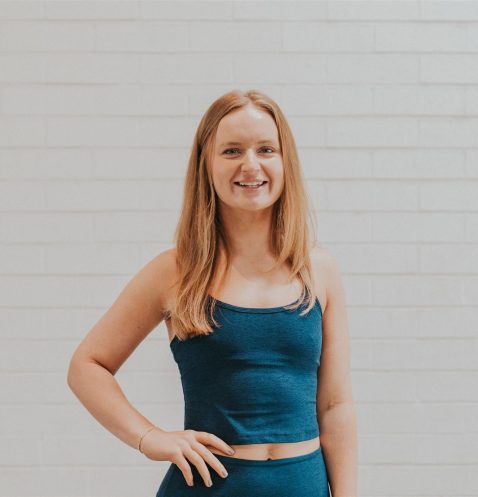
(254, 379)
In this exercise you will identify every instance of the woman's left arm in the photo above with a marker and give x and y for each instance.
(335, 405)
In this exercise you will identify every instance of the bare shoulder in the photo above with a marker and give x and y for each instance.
(156, 277)
(164, 265)
(326, 273)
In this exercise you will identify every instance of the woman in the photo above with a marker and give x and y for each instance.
(257, 324)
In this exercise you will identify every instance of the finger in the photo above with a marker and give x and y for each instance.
(210, 439)
(183, 465)
(210, 458)
(201, 466)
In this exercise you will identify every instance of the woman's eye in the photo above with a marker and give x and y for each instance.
(264, 148)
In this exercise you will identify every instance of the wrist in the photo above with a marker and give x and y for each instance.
(143, 435)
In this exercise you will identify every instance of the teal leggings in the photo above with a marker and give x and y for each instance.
(298, 476)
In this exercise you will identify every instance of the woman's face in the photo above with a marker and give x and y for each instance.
(247, 150)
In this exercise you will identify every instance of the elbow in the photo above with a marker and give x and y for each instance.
(347, 405)
(79, 370)
(71, 373)
(75, 369)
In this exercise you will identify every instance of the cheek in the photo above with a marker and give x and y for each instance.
(278, 176)
(279, 184)
(217, 174)
(222, 182)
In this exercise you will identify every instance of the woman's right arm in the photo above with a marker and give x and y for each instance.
(134, 314)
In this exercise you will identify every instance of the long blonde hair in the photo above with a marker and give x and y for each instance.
(199, 234)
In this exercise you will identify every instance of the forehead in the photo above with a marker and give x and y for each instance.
(248, 124)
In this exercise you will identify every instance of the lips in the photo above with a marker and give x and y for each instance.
(250, 187)
(255, 181)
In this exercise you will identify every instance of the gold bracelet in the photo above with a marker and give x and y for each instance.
(143, 435)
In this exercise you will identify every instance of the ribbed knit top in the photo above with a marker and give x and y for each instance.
(254, 379)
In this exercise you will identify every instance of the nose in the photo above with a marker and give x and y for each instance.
(251, 162)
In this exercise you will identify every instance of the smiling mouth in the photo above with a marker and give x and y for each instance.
(247, 186)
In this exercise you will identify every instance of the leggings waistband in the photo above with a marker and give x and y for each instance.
(270, 462)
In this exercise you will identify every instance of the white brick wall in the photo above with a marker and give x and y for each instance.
(99, 102)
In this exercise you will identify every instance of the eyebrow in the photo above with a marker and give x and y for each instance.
(239, 143)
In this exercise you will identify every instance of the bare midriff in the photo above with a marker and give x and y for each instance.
(274, 450)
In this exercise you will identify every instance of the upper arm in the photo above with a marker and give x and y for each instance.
(334, 379)
(133, 315)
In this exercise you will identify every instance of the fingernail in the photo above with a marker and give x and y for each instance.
(224, 473)
(232, 451)
(209, 483)
(190, 483)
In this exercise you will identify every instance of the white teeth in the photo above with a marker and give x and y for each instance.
(251, 184)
